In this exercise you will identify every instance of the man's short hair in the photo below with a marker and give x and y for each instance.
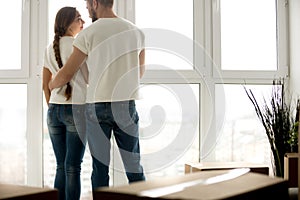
(106, 3)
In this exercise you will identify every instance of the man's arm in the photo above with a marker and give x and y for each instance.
(66, 73)
(142, 63)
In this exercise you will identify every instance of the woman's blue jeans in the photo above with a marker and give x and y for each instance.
(66, 125)
(122, 119)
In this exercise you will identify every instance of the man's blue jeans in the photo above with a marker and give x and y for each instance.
(122, 119)
(66, 125)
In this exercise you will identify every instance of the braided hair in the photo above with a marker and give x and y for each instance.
(64, 18)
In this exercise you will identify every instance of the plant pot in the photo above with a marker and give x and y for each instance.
(291, 169)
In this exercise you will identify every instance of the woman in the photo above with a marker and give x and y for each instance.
(65, 117)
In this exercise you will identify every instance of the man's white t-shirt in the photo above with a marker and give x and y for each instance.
(78, 82)
(112, 46)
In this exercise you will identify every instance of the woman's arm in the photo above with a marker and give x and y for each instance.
(142, 63)
(85, 72)
(47, 75)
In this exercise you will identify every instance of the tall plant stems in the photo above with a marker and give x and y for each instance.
(277, 120)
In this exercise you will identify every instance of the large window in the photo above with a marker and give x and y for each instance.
(13, 142)
(244, 41)
(242, 136)
(169, 120)
(249, 46)
(165, 109)
(14, 40)
(11, 38)
(250, 38)
(248, 35)
(14, 71)
(166, 30)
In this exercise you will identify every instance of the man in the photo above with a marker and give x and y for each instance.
(113, 49)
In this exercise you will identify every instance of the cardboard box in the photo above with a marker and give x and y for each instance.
(18, 192)
(205, 166)
(250, 186)
(291, 169)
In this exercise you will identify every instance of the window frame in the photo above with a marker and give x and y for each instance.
(34, 40)
(198, 74)
(242, 75)
(25, 43)
(127, 11)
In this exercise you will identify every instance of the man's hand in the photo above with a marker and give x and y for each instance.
(66, 73)
(50, 85)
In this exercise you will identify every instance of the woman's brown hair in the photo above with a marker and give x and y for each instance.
(64, 18)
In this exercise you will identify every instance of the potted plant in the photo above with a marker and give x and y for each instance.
(281, 127)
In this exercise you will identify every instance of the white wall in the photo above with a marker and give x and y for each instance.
(294, 15)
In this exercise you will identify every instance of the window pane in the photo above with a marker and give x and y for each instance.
(157, 14)
(248, 35)
(10, 39)
(166, 113)
(13, 143)
(242, 137)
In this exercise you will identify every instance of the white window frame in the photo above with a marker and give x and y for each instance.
(38, 35)
(33, 43)
(34, 40)
(282, 47)
(25, 39)
(201, 72)
(126, 10)
(218, 76)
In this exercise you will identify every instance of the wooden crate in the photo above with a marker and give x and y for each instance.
(250, 186)
(21, 192)
(291, 169)
(206, 166)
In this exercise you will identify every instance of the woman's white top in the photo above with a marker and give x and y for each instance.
(78, 82)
